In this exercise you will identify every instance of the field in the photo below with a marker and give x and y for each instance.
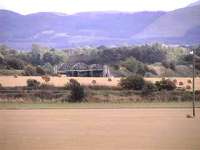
(99, 129)
(13, 81)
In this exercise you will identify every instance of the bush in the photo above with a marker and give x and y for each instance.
(33, 84)
(47, 86)
(149, 87)
(94, 82)
(77, 93)
(181, 83)
(45, 94)
(132, 82)
(1, 87)
(30, 71)
(165, 85)
(188, 87)
(14, 63)
(40, 71)
(134, 66)
(46, 78)
(168, 64)
(189, 81)
(109, 79)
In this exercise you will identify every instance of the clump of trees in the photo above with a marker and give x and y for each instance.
(169, 64)
(188, 58)
(104, 55)
(132, 83)
(134, 66)
(125, 60)
(165, 84)
(139, 84)
(38, 61)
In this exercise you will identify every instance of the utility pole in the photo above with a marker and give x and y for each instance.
(193, 83)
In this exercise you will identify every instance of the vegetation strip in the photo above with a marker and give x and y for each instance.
(17, 106)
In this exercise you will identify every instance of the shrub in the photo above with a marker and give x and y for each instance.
(175, 81)
(30, 71)
(47, 86)
(33, 84)
(1, 87)
(14, 63)
(109, 79)
(148, 88)
(59, 75)
(189, 81)
(77, 92)
(132, 82)
(165, 84)
(40, 71)
(134, 66)
(168, 64)
(94, 82)
(181, 83)
(46, 78)
(188, 87)
(45, 94)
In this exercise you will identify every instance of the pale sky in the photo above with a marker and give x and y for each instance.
(74, 6)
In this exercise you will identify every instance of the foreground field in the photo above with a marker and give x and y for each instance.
(99, 129)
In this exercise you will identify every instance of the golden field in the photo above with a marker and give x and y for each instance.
(13, 81)
(99, 129)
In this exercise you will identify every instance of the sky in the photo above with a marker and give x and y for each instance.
(74, 6)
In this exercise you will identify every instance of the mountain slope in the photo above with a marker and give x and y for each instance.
(181, 26)
(91, 28)
(175, 24)
(194, 4)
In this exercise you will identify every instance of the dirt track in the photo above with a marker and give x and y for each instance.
(99, 129)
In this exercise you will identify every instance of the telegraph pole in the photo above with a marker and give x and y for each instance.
(193, 83)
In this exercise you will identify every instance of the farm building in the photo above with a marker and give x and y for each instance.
(84, 70)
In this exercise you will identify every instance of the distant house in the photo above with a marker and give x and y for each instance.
(84, 70)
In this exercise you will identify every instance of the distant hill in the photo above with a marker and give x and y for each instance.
(59, 30)
(194, 4)
(181, 26)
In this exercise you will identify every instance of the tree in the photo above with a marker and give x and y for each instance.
(165, 84)
(3, 49)
(48, 68)
(51, 58)
(132, 83)
(14, 63)
(77, 92)
(168, 64)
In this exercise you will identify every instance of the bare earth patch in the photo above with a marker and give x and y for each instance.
(99, 129)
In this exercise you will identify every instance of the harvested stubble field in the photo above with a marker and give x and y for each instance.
(99, 129)
(13, 81)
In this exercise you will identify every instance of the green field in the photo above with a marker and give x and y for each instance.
(97, 105)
